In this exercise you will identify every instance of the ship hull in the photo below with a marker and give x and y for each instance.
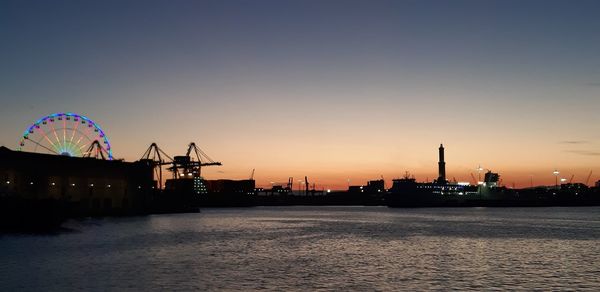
(418, 199)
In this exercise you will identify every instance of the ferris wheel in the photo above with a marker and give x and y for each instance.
(67, 134)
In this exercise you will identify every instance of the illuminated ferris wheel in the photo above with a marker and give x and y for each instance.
(66, 134)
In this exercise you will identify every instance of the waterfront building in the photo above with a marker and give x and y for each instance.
(90, 186)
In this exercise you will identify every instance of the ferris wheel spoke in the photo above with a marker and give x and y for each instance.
(51, 150)
(83, 146)
(48, 139)
(79, 151)
(68, 145)
(73, 134)
(65, 132)
(78, 141)
(56, 136)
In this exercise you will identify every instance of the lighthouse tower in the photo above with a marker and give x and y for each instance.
(441, 167)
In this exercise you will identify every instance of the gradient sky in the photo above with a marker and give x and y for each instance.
(329, 89)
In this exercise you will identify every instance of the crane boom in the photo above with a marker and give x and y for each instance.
(306, 183)
(157, 157)
(474, 179)
(588, 178)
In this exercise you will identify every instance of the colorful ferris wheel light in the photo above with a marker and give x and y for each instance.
(67, 134)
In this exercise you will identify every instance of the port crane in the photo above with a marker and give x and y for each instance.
(306, 183)
(314, 187)
(156, 157)
(180, 166)
(186, 166)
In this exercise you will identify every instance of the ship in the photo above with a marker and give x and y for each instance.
(407, 192)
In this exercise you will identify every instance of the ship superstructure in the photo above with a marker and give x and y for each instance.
(406, 191)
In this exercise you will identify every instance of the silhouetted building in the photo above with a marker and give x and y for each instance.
(228, 193)
(355, 189)
(574, 187)
(246, 186)
(491, 179)
(90, 186)
(405, 183)
(373, 186)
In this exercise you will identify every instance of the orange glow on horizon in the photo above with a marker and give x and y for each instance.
(330, 163)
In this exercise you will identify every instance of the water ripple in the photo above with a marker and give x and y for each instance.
(315, 248)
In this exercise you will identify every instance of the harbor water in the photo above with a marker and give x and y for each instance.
(313, 248)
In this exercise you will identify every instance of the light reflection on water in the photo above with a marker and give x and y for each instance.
(299, 248)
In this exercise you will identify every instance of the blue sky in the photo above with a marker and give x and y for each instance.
(324, 87)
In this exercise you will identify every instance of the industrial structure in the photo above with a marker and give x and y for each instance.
(438, 188)
(64, 163)
(187, 187)
(65, 160)
(406, 192)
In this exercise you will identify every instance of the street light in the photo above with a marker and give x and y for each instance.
(556, 173)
